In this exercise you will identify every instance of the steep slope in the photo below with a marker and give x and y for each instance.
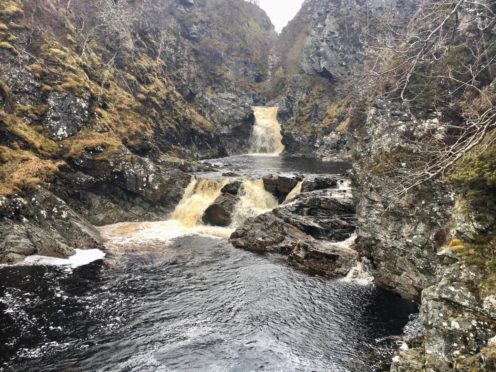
(320, 58)
(99, 99)
(425, 170)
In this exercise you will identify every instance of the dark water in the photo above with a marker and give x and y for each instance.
(259, 164)
(197, 305)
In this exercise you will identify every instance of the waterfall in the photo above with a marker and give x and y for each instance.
(199, 195)
(254, 200)
(187, 217)
(266, 137)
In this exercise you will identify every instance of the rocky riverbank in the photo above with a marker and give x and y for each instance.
(434, 244)
(308, 230)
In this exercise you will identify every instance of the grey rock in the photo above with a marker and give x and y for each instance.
(67, 115)
(41, 223)
(276, 237)
(320, 183)
(302, 232)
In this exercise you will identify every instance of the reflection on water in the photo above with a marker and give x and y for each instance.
(256, 165)
(194, 304)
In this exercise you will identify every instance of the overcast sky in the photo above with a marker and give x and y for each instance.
(281, 11)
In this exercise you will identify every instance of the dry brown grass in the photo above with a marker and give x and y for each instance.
(87, 141)
(20, 170)
(28, 134)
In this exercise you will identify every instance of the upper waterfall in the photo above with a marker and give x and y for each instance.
(266, 137)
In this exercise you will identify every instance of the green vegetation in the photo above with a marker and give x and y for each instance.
(477, 169)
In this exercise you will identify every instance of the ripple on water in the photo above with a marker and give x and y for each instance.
(199, 305)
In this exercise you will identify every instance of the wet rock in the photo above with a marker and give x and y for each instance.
(67, 115)
(280, 186)
(221, 211)
(304, 232)
(276, 237)
(320, 183)
(187, 2)
(232, 188)
(128, 188)
(230, 174)
(324, 214)
(41, 223)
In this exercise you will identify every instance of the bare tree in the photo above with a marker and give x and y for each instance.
(446, 61)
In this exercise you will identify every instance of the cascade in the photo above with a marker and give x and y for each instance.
(254, 200)
(266, 137)
(199, 195)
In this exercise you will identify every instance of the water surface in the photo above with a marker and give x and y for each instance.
(196, 304)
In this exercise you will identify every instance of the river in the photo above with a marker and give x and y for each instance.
(176, 296)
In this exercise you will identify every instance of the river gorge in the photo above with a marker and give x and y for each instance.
(177, 295)
(190, 185)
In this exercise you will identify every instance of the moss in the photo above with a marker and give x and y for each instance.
(478, 168)
(481, 254)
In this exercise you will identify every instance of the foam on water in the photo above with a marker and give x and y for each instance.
(81, 258)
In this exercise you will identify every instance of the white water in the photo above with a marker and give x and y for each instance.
(187, 217)
(266, 137)
(361, 273)
(81, 258)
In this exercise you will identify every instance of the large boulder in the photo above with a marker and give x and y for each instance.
(269, 234)
(221, 211)
(232, 188)
(280, 186)
(306, 232)
(320, 183)
(324, 214)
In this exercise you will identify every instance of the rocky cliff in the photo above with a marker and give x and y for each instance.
(317, 66)
(426, 192)
(103, 102)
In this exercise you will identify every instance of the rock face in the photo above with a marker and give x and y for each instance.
(128, 188)
(303, 231)
(407, 267)
(66, 115)
(432, 243)
(41, 223)
(316, 57)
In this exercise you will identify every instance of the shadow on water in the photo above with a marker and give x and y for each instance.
(197, 304)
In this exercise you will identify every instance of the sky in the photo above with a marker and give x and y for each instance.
(281, 11)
